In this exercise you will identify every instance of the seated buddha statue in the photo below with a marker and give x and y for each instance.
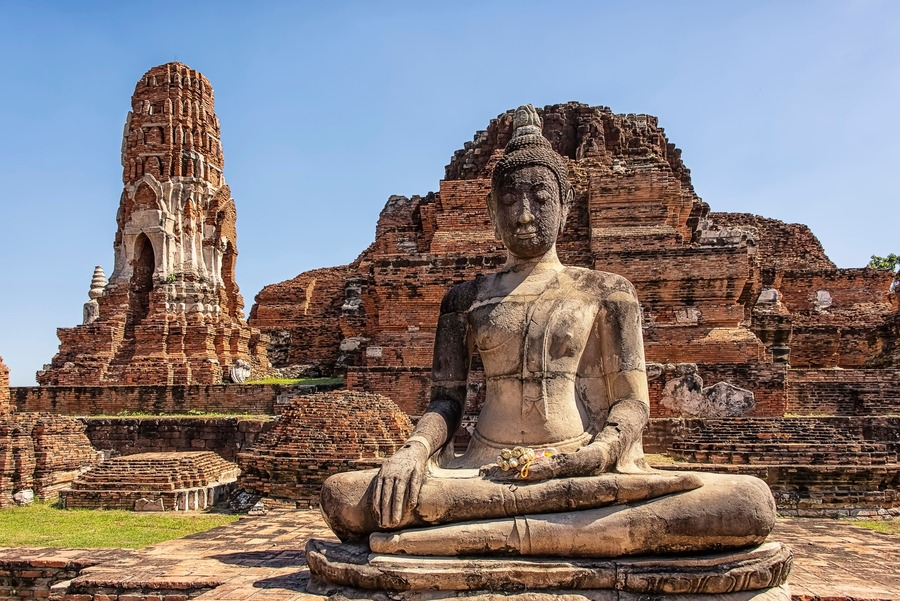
(565, 383)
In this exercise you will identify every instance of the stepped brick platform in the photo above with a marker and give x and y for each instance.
(788, 441)
(835, 466)
(784, 441)
(158, 481)
(319, 435)
(262, 559)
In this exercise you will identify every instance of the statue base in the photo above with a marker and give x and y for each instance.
(352, 571)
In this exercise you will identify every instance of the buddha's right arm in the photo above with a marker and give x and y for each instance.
(449, 376)
(401, 476)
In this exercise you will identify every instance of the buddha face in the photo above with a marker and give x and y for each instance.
(527, 211)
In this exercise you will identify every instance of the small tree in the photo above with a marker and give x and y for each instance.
(888, 263)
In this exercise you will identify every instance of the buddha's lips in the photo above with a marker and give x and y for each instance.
(526, 235)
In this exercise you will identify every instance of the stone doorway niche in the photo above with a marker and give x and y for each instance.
(143, 266)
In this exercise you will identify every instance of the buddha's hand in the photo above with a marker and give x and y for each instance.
(589, 460)
(398, 483)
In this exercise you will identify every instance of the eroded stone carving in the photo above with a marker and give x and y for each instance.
(685, 395)
(240, 371)
(564, 373)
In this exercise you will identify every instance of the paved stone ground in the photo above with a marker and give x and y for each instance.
(261, 559)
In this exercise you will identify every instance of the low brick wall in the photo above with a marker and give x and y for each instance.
(661, 432)
(844, 391)
(33, 578)
(111, 400)
(130, 435)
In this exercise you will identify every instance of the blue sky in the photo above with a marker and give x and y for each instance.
(784, 109)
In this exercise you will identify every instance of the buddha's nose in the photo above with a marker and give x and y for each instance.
(525, 217)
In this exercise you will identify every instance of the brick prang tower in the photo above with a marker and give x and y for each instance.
(171, 312)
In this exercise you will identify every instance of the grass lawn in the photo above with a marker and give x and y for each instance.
(885, 526)
(45, 525)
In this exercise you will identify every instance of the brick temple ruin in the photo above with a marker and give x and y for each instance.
(746, 299)
(765, 358)
(171, 312)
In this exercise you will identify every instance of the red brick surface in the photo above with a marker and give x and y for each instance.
(4, 389)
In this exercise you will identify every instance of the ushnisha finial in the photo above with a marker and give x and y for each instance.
(526, 121)
(528, 146)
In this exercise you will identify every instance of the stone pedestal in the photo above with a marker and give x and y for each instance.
(352, 571)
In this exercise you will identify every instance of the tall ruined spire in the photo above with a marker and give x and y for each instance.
(171, 311)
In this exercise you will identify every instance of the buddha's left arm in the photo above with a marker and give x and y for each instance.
(617, 443)
(624, 373)
(613, 386)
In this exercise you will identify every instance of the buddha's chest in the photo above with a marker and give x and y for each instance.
(532, 335)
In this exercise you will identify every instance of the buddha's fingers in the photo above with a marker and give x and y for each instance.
(384, 502)
(398, 496)
(376, 499)
(415, 485)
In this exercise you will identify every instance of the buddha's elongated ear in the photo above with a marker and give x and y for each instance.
(489, 201)
(565, 205)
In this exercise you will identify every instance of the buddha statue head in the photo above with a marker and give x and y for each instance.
(530, 191)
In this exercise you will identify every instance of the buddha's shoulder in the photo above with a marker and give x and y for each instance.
(601, 284)
(461, 296)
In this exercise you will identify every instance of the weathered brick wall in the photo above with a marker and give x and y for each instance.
(843, 392)
(661, 432)
(4, 389)
(840, 316)
(320, 435)
(226, 436)
(409, 388)
(302, 317)
(42, 452)
(767, 382)
(780, 246)
(110, 400)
